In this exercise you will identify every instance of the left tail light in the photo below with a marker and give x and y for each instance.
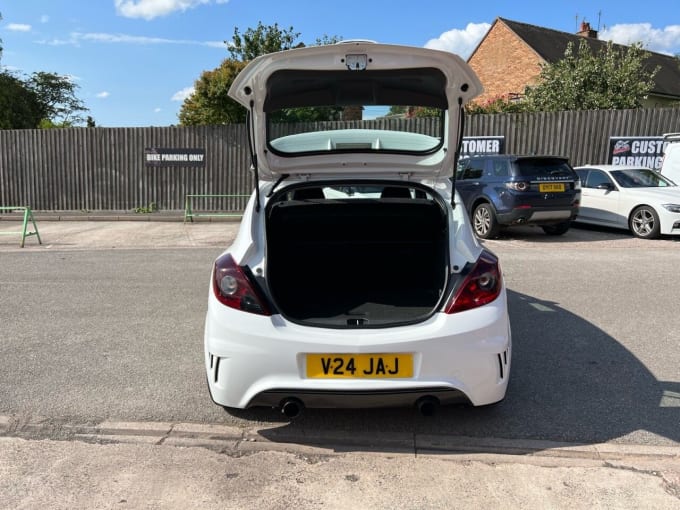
(233, 288)
(482, 285)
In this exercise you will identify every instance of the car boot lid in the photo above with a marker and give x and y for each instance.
(354, 73)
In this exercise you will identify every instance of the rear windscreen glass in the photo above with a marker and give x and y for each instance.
(544, 167)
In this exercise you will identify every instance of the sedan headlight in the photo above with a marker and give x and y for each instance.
(672, 207)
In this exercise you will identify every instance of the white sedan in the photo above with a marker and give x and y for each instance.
(629, 197)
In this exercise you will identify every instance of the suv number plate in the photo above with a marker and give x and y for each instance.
(359, 366)
(551, 187)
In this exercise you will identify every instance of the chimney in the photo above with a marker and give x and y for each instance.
(586, 31)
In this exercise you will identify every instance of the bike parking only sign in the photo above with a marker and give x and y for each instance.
(174, 157)
(644, 151)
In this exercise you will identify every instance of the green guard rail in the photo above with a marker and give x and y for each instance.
(28, 215)
(190, 215)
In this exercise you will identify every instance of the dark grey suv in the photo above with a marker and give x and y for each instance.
(504, 190)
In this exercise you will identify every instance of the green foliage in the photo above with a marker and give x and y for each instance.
(424, 112)
(210, 102)
(500, 104)
(326, 39)
(57, 95)
(20, 106)
(307, 114)
(614, 78)
(261, 40)
(413, 111)
(152, 208)
(44, 100)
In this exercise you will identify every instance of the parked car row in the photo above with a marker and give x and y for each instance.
(356, 279)
(504, 190)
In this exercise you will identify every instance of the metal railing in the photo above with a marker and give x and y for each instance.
(189, 213)
(27, 216)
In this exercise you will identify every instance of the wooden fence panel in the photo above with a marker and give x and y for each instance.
(104, 168)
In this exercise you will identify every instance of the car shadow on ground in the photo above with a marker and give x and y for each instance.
(570, 382)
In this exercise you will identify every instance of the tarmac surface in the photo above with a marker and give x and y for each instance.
(182, 465)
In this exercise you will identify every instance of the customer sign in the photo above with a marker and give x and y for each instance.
(644, 151)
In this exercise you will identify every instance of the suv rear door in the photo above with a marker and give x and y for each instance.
(552, 181)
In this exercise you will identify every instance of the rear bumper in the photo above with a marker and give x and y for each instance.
(254, 360)
(537, 215)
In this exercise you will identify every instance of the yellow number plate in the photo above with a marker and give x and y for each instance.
(551, 187)
(359, 366)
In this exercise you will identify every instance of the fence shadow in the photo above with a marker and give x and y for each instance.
(570, 382)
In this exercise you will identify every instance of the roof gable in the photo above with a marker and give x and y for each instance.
(550, 45)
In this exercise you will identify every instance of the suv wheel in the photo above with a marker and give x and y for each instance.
(484, 222)
(557, 229)
(644, 222)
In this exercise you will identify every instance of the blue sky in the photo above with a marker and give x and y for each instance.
(135, 60)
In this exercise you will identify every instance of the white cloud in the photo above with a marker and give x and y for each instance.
(76, 38)
(181, 95)
(157, 110)
(19, 27)
(103, 95)
(44, 18)
(462, 42)
(150, 9)
(661, 40)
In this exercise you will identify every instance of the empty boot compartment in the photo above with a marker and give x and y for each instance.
(357, 262)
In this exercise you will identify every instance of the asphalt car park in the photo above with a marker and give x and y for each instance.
(116, 334)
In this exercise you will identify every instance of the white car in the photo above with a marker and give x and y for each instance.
(353, 282)
(634, 198)
(670, 165)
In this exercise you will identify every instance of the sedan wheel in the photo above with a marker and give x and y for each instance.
(644, 222)
(484, 222)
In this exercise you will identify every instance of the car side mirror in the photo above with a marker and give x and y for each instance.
(605, 185)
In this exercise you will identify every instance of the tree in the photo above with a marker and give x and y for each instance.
(210, 102)
(614, 78)
(260, 41)
(20, 106)
(57, 95)
(43, 100)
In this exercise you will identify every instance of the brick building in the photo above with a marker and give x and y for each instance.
(510, 55)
